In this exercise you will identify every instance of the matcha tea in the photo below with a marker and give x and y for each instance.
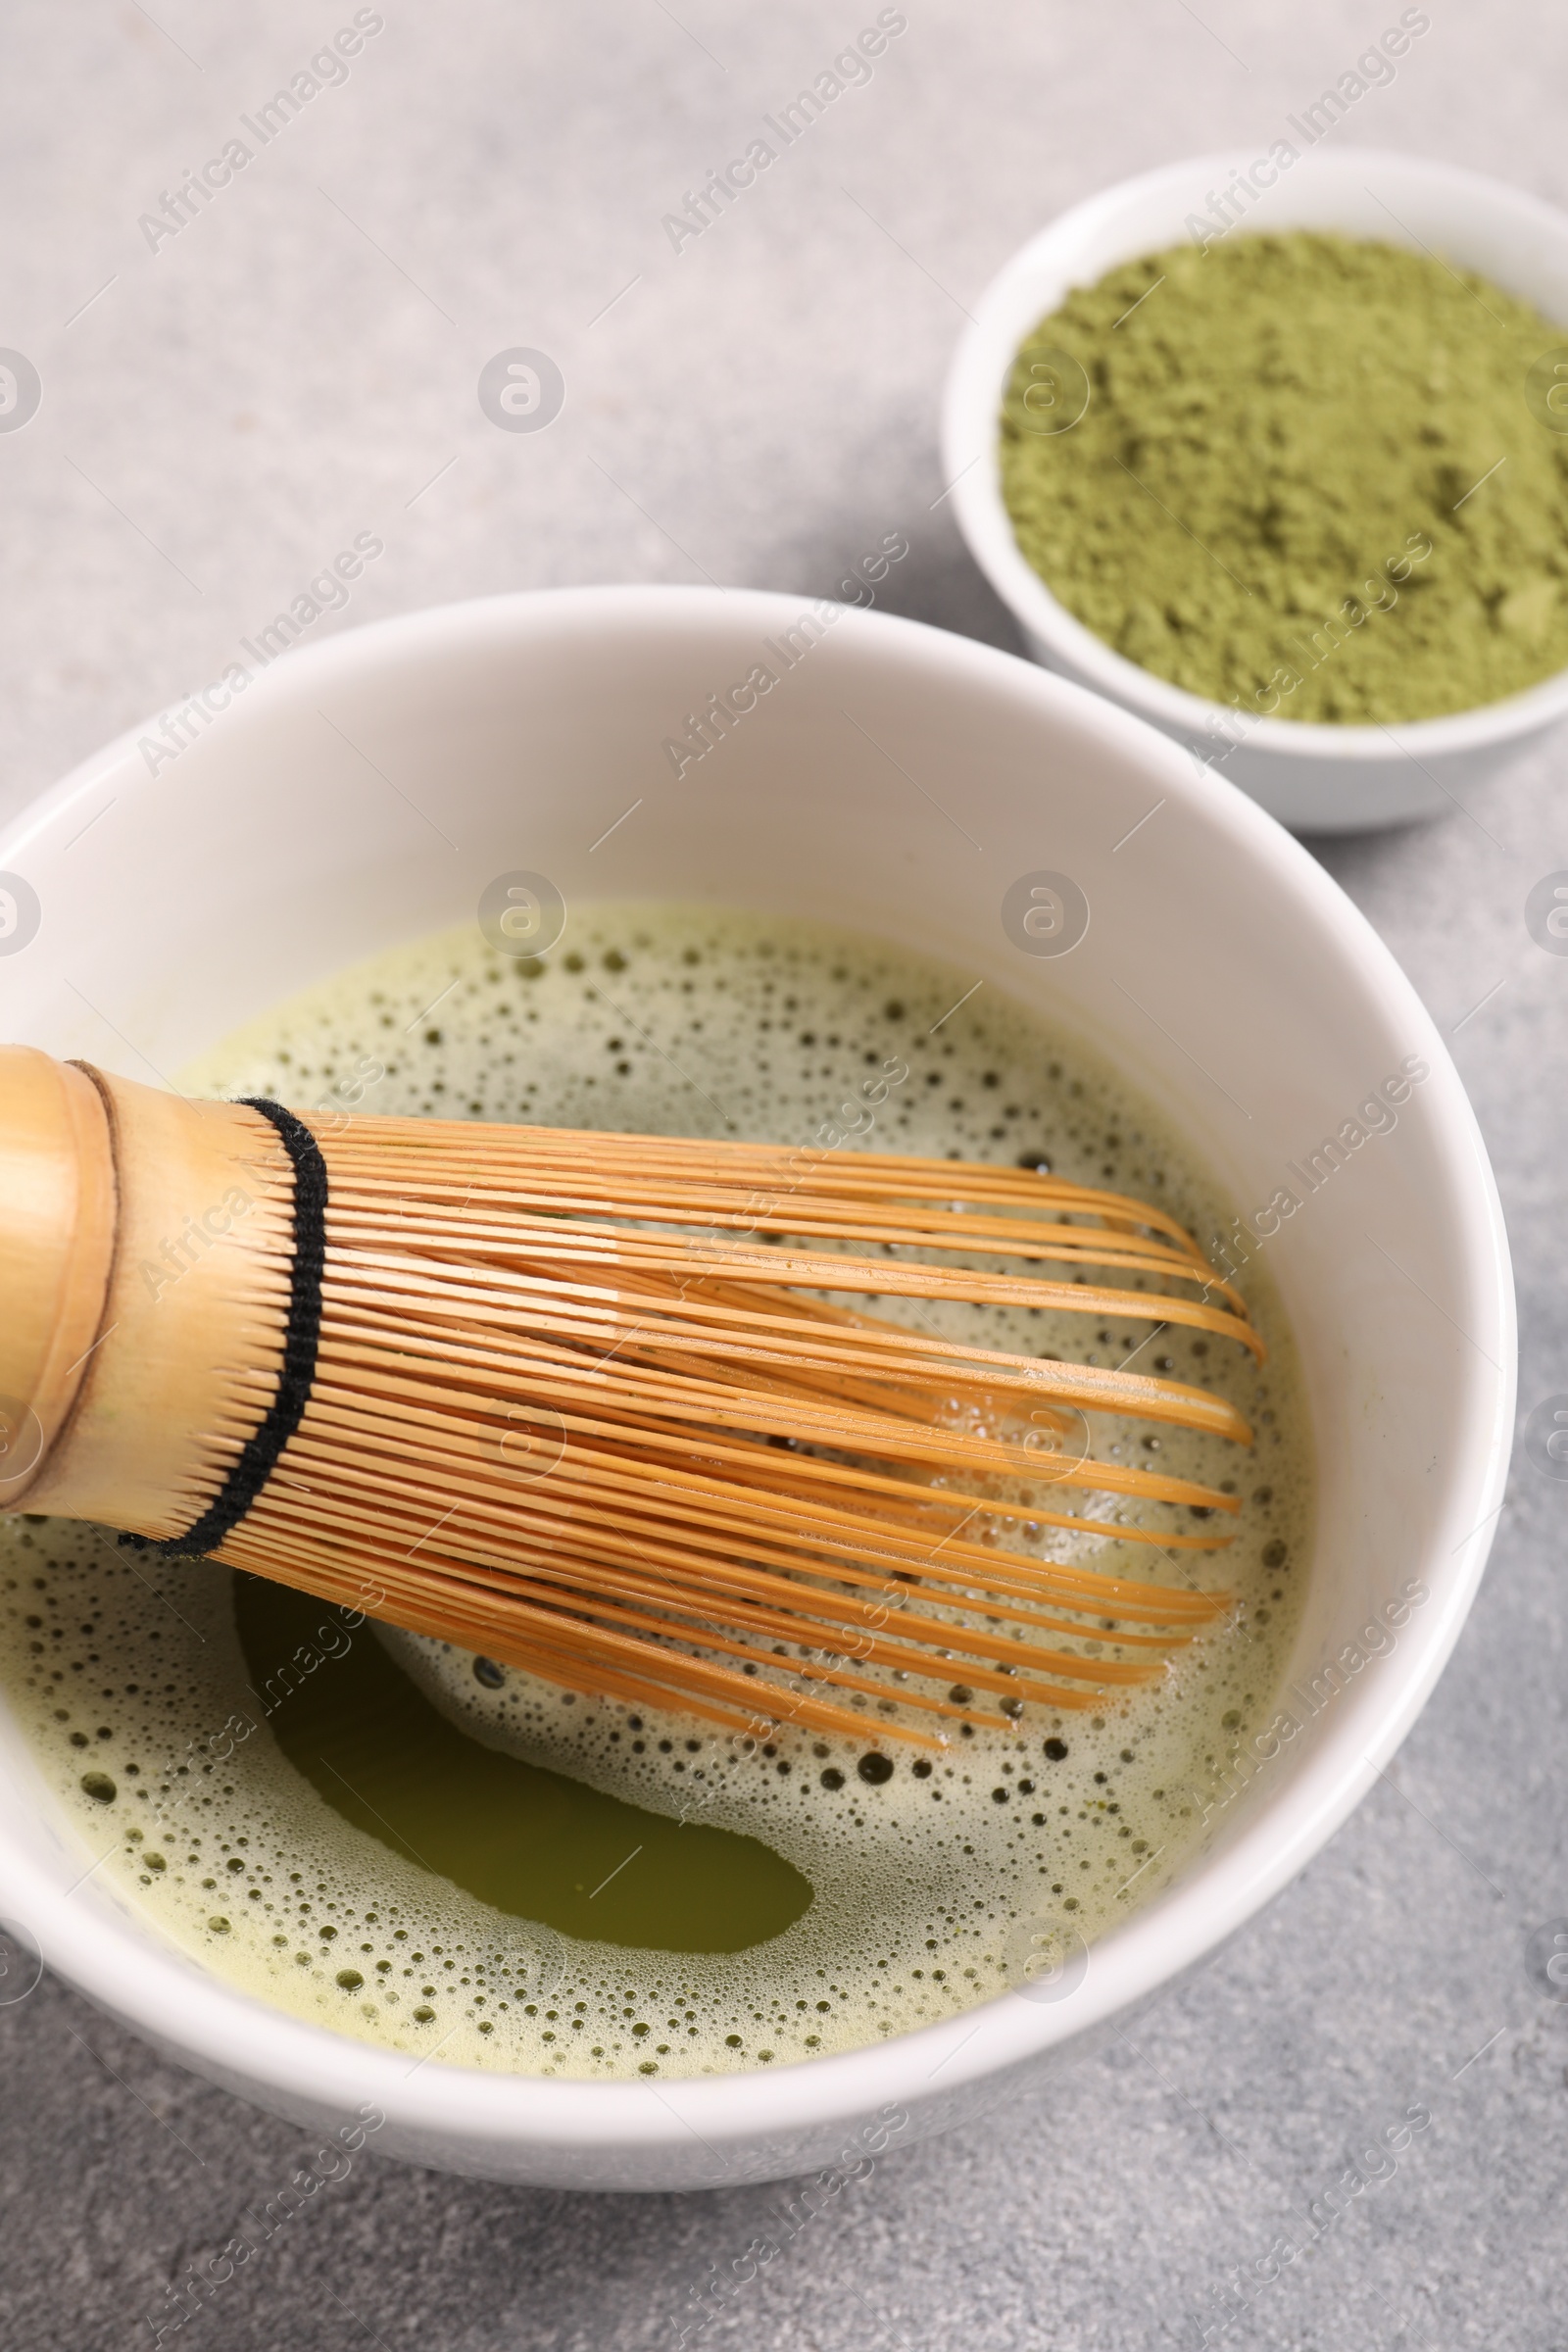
(1314, 478)
(430, 1851)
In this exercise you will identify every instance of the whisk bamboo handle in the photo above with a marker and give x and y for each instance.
(140, 1237)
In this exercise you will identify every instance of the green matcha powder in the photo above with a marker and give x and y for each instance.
(1311, 479)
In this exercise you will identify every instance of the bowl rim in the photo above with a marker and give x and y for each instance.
(971, 402)
(270, 2054)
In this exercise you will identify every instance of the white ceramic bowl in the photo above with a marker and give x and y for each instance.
(1315, 778)
(1222, 970)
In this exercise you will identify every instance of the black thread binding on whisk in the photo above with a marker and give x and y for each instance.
(302, 1338)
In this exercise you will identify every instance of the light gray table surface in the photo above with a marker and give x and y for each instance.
(223, 413)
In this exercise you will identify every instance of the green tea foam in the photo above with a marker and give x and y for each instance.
(169, 1738)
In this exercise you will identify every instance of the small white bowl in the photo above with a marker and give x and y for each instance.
(365, 790)
(1315, 778)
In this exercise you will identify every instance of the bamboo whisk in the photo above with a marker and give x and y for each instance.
(576, 1401)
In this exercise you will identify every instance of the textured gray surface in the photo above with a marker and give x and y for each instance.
(294, 367)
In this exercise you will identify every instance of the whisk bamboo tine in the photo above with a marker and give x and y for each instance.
(308, 1347)
(656, 1391)
(590, 1317)
(732, 1556)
